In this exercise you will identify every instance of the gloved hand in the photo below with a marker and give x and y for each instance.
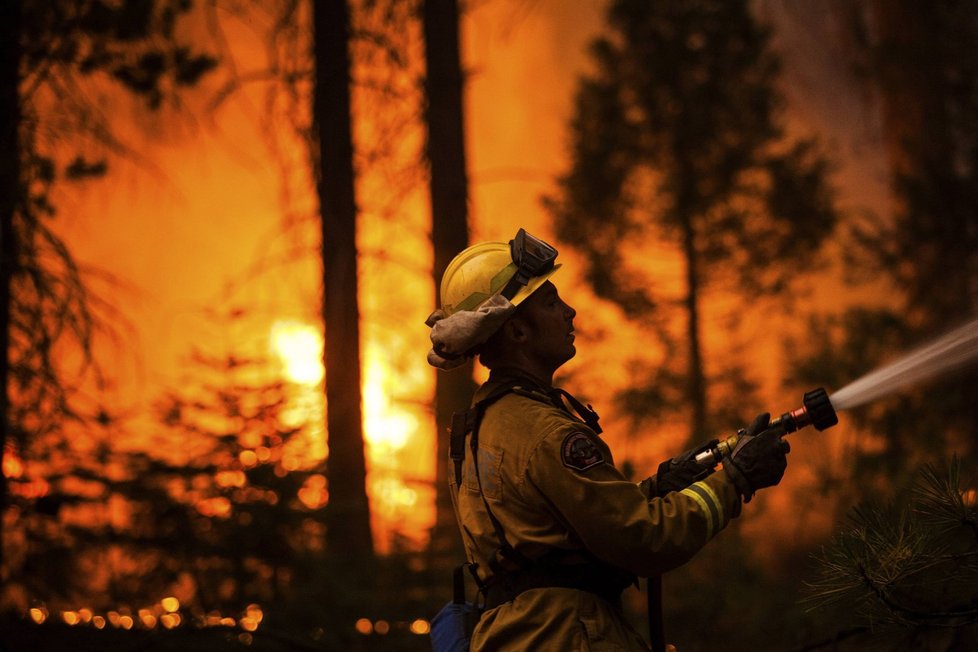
(758, 460)
(679, 472)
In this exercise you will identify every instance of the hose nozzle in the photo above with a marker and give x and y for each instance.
(816, 410)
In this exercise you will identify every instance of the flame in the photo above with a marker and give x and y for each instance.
(385, 426)
(299, 347)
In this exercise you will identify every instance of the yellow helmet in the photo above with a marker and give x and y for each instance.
(489, 268)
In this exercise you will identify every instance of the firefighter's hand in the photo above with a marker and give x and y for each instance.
(759, 458)
(681, 471)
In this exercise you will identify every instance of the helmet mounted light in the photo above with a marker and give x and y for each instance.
(532, 257)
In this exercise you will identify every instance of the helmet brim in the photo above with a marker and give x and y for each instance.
(533, 285)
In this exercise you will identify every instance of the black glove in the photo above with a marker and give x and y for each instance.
(679, 472)
(758, 460)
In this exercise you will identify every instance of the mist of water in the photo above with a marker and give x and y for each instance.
(949, 352)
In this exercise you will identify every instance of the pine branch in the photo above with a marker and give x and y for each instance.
(911, 563)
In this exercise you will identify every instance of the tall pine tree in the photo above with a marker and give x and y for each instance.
(677, 138)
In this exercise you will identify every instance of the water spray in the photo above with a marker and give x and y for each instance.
(950, 352)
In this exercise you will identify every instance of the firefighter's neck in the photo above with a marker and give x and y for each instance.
(523, 366)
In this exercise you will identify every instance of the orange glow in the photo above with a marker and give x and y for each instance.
(254, 612)
(39, 615)
(248, 458)
(70, 617)
(299, 347)
(248, 624)
(170, 620)
(13, 467)
(364, 626)
(147, 618)
(98, 622)
(228, 479)
(170, 604)
(218, 506)
(382, 627)
(420, 627)
(36, 488)
(313, 493)
(386, 428)
(393, 495)
(970, 498)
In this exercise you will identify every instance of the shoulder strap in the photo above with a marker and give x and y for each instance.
(465, 424)
(587, 414)
(506, 550)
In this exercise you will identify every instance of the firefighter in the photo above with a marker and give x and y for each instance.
(553, 531)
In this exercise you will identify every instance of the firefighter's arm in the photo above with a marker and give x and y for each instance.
(677, 473)
(571, 472)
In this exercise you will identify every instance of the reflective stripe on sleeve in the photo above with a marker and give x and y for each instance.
(710, 503)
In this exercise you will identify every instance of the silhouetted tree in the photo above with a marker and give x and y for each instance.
(677, 138)
(921, 60)
(911, 553)
(444, 84)
(9, 200)
(349, 513)
(56, 59)
(311, 49)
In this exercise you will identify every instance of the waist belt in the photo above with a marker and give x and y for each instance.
(607, 583)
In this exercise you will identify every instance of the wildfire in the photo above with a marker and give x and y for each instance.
(300, 349)
(389, 428)
(386, 427)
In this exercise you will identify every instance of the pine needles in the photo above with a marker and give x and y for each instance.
(911, 563)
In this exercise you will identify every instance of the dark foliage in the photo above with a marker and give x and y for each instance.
(677, 139)
(912, 563)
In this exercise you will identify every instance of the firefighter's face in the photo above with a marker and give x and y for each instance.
(549, 326)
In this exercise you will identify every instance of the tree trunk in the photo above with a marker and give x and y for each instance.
(696, 378)
(449, 229)
(10, 192)
(348, 513)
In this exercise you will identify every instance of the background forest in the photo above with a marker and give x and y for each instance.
(222, 224)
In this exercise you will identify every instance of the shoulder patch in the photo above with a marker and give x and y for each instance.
(580, 452)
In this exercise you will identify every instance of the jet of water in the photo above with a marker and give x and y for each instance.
(951, 351)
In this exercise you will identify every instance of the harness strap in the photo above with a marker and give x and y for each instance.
(506, 550)
(462, 424)
(587, 414)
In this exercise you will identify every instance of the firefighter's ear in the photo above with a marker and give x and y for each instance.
(516, 330)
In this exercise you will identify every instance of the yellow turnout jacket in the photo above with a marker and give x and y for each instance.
(551, 483)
